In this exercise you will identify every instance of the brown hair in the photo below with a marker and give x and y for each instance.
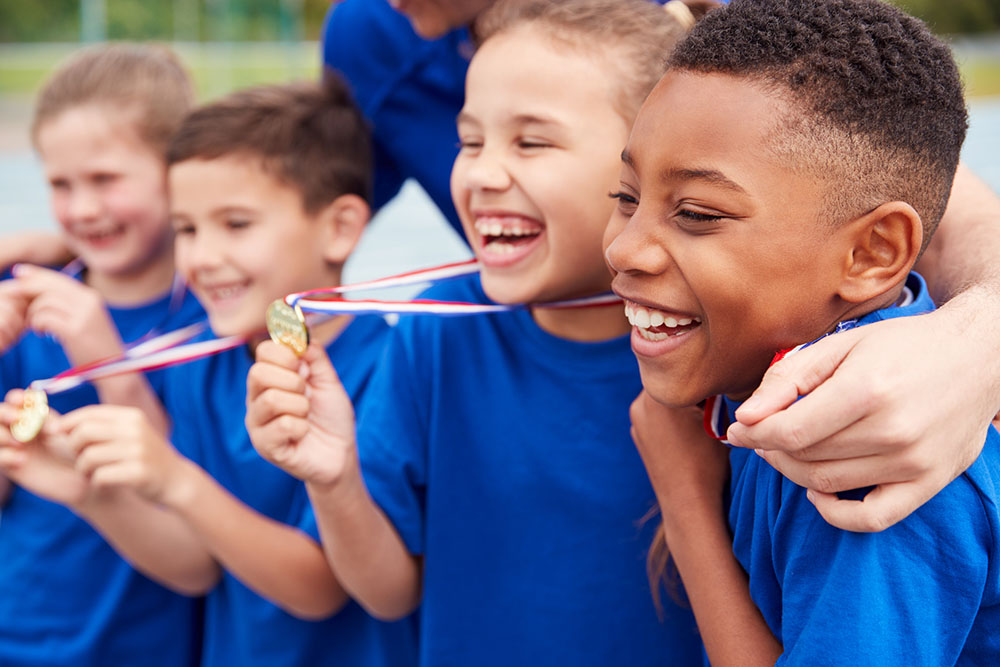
(309, 136)
(147, 82)
(640, 35)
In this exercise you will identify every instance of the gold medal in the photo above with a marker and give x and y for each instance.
(31, 416)
(287, 326)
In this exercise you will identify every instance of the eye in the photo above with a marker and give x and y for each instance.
(59, 184)
(104, 178)
(531, 144)
(694, 217)
(182, 228)
(627, 203)
(237, 223)
(469, 144)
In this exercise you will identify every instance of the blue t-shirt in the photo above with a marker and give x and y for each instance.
(208, 405)
(410, 89)
(923, 592)
(66, 597)
(502, 455)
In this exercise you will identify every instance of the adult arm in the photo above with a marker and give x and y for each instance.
(688, 471)
(902, 404)
(300, 418)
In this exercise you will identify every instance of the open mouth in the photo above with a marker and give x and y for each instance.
(656, 325)
(502, 235)
(224, 292)
(102, 237)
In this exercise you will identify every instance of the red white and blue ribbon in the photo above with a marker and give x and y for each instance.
(167, 349)
(309, 303)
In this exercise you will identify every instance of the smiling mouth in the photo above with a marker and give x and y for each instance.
(102, 236)
(656, 325)
(503, 234)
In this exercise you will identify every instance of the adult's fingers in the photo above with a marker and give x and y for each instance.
(832, 476)
(883, 507)
(796, 375)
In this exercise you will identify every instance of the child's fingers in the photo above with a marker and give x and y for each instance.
(11, 458)
(264, 375)
(273, 403)
(116, 475)
(98, 455)
(277, 354)
(276, 434)
(14, 397)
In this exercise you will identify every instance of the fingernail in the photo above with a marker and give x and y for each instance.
(760, 453)
(16, 269)
(811, 496)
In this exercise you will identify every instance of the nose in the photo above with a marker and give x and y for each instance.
(84, 204)
(634, 245)
(487, 170)
(200, 252)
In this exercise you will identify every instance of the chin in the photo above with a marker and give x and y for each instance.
(668, 393)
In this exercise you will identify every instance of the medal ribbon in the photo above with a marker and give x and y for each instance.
(308, 302)
(166, 350)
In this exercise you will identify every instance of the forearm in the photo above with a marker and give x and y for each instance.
(364, 549)
(964, 251)
(277, 561)
(43, 248)
(732, 628)
(155, 541)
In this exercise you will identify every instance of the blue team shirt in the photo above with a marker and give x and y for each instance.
(410, 89)
(66, 597)
(208, 405)
(923, 592)
(502, 455)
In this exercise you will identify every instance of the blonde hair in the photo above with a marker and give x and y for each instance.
(641, 31)
(147, 81)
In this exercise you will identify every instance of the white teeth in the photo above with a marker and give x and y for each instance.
(645, 319)
(496, 228)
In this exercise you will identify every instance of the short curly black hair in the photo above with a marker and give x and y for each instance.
(878, 105)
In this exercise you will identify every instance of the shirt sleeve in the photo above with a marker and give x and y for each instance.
(906, 596)
(392, 436)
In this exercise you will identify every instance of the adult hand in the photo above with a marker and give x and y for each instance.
(298, 415)
(116, 447)
(902, 405)
(70, 311)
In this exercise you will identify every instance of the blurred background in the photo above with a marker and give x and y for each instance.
(228, 44)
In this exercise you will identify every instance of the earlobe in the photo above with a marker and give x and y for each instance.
(886, 245)
(345, 219)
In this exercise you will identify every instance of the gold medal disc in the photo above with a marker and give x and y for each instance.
(287, 326)
(31, 416)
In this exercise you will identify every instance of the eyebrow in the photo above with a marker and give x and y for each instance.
(711, 176)
(518, 119)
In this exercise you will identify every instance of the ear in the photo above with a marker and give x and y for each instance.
(343, 221)
(885, 245)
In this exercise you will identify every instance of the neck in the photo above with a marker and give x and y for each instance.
(585, 325)
(134, 287)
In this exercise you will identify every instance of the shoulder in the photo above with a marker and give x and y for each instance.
(375, 48)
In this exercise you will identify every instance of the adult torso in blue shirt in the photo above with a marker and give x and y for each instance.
(66, 597)
(410, 89)
(242, 628)
(502, 456)
(923, 592)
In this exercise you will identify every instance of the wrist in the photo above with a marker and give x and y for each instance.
(181, 491)
(340, 483)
